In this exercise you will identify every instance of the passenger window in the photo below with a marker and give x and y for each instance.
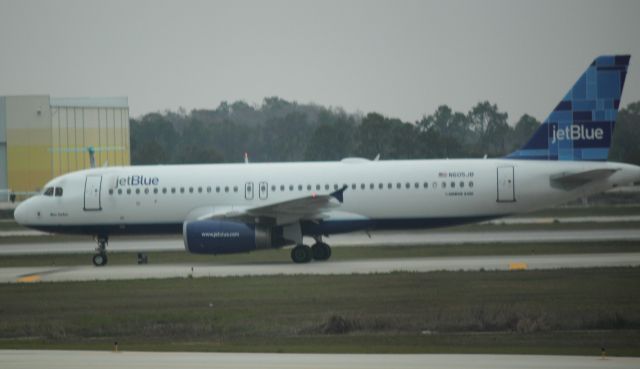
(326, 187)
(235, 188)
(155, 190)
(290, 187)
(407, 185)
(353, 186)
(190, 189)
(434, 185)
(137, 191)
(217, 188)
(380, 186)
(453, 184)
(146, 190)
(362, 186)
(273, 188)
(471, 184)
(282, 188)
(398, 185)
(308, 187)
(128, 191)
(119, 191)
(425, 185)
(181, 189)
(335, 186)
(371, 186)
(111, 191)
(208, 189)
(164, 190)
(416, 185)
(58, 191)
(226, 188)
(173, 190)
(389, 185)
(461, 184)
(444, 184)
(318, 187)
(299, 187)
(48, 191)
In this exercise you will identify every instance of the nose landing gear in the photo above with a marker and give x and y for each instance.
(100, 257)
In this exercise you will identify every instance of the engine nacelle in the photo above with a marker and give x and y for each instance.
(224, 237)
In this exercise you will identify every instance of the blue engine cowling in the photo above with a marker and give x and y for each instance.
(224, 237)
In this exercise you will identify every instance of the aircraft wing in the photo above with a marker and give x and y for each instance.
(571, 180)
(310, 207)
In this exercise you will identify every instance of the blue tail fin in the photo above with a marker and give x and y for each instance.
(581, 126)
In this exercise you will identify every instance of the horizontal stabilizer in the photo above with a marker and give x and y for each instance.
(571, 180)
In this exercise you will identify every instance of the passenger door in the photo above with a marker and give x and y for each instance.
(92, 187)
(506, 185)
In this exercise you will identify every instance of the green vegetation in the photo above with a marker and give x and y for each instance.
(339, 254)
(545, 312)
(279, 130)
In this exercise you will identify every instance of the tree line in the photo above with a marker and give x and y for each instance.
(279, 130)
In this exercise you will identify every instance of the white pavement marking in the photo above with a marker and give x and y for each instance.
(36, 359)
(498, 262)
(387, 238)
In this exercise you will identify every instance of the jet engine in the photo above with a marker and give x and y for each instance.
(224, 237)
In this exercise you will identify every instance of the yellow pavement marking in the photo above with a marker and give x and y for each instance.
(518, 266)
(30, 278)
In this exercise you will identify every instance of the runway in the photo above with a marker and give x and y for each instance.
(36, 359)
(388, 238)
(91, 273)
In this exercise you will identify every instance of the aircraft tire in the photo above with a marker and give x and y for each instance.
(100, 259)
(321, 251)
(301, 254)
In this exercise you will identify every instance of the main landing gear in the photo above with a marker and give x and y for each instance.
(100, 257)
(320, 251)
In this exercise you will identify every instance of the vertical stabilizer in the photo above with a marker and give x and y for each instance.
(581, 125)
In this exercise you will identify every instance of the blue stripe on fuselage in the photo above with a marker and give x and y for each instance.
(308, 227)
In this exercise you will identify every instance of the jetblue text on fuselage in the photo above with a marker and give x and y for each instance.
(576, 132)
(137, 180)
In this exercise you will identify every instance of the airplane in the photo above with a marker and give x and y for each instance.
(233, 208)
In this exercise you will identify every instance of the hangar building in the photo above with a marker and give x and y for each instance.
(42, 137)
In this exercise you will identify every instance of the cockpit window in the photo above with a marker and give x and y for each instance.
(48, 191)
(58, 191)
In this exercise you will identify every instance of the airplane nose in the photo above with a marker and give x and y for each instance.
(20, 214)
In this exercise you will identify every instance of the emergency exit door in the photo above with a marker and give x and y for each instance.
(506, 185)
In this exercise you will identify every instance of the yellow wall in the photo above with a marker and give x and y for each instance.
(28, 142)
(44, 142)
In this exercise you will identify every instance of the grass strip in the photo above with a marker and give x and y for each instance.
(543, 312)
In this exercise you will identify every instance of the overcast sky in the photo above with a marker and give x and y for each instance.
(399, 58)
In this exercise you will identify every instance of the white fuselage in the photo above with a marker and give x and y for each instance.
(421, 193)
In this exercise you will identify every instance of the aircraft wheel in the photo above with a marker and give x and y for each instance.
(321, 251)
(100, 259)
(301, 254)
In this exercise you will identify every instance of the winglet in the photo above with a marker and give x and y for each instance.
(339, 194)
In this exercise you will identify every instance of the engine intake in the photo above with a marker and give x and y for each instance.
(224, 237)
